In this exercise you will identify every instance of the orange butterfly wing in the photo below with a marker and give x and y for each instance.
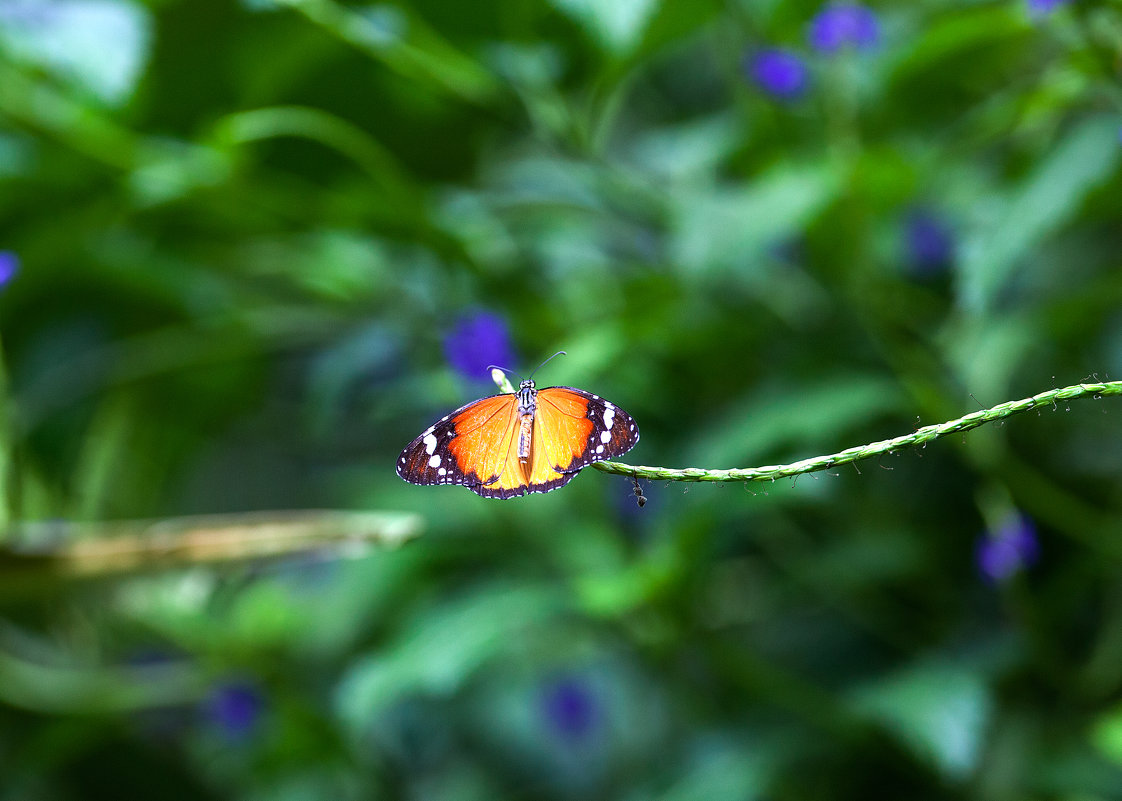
(573, 429)
(468, 446)
(578, 429)
(561, 430)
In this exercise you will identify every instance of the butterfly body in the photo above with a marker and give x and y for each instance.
(508, 445)
(527, 407)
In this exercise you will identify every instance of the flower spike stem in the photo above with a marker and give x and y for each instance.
(501, 381)
(860, 452)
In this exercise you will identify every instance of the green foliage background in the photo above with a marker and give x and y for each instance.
(244, 232)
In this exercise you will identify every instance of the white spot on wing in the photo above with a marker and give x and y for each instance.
(599, 448)
(441, 471)
(430, 443)
(434, 461)
(606, 437)
(609, 416)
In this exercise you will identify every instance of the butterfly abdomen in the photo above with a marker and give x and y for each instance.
(525, 432)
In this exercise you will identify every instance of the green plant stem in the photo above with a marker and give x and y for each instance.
(260, 124)
(860, 452)
(501, 381)
(406, 44)
(78, 550)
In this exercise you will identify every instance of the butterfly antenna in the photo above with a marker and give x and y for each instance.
(496, 367)
(547, 361)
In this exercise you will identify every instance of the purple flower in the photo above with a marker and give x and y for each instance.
(780, 73)
(1008, 549)
(570, 707)
(476, 341)
(844, 24)
(9, 266)
(235, 707)
(929, 242)
(1039, 8)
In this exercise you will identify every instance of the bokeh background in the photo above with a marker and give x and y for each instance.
(248, 250)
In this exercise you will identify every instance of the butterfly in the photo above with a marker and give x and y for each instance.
(533, 440)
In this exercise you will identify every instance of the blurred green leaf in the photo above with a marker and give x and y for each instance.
(1086, 157)
(729, 228)
(400, 38)
(269, 123)
(618, 25)
(776, 420)
(941, 38)
(688, 151)
(1107, 735)
(6, 449)
(987, 354)
(718, 768)
(941, 712)
(440, 649)
(98, 45)
(17, 155)
(61, 686)
(172, 169)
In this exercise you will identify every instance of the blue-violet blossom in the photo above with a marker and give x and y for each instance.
(780, 73)
(929, 241)
(476, 341)
(844, 25)
(9, 267)
(235, 708)
(1039, 8)
(570, 707)
(1008, 549)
